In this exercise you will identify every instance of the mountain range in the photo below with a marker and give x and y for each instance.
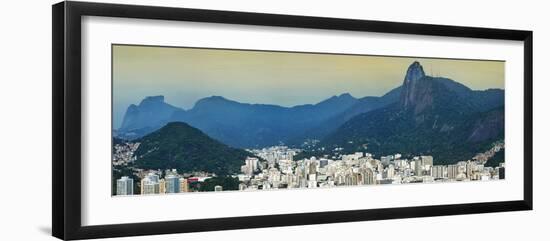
(250, 125)
(434, 116)
(425, 115)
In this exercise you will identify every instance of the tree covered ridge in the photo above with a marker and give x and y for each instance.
(183, 147)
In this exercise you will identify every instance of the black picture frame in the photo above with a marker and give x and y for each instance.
(66, 141)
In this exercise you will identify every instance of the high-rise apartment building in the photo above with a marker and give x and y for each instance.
(125, 186)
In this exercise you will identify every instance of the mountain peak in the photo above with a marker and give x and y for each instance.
(151, 112)
(153, 99)
(214, 102)
(176, 124)
(181, 146)
(416, 91)
(338, 101)
(414, 72)
(215, 97)
(212, 99)
(346, 95)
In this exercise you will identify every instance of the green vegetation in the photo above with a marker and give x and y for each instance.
(496, 159)
(445, 122)
(120, 171)
(178, 145)
(227, 183)
(406, 136)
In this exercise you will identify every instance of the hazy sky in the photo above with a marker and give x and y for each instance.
(185, 75)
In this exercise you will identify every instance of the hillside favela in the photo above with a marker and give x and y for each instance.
(429, 129)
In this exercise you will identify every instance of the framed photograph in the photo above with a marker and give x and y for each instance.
(171, 120)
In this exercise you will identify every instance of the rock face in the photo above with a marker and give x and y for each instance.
(150, 114)
(434, 116)
(489, 126)
(421, 93)
(414, 87)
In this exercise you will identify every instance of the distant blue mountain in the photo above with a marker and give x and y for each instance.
(151, 114)
(238, 124)
(362, 105)
(255, 125)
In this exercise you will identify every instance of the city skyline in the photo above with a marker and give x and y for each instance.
(185, 75)
(427, 126)
(277, 169)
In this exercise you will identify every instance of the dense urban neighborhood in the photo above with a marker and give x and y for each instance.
(275, 168)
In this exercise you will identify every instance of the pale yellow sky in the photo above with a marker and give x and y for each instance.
(185, 75)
